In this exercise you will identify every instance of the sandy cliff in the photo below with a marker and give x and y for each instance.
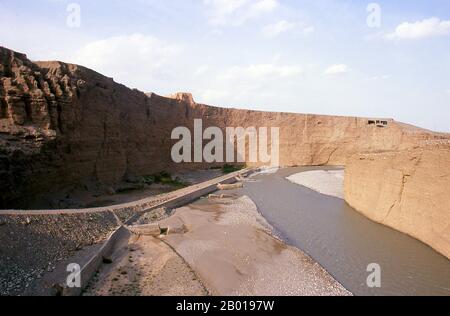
(407, 190)
(64, 124)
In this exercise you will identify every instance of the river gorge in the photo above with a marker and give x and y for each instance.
(66, 129)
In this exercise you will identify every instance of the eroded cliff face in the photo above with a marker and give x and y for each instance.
(63, 124)
(406, 190)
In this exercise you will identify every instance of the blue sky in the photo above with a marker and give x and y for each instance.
(310, 56)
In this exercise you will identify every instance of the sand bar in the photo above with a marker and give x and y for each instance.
(328, 182)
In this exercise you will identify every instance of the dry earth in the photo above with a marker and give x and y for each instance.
(145, 266)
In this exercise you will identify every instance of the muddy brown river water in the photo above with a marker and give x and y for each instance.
(345, 242)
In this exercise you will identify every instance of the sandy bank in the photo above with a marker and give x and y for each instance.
(145, 266)
(328, 182)
(232, 250)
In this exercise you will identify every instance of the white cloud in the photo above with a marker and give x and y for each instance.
(213, 95)
(273, 30)
(128, 58)
(337, 70)
(246, 84)
(283, 26)
(382, 77)
(237, 12)
(262, 6)
(308, 30)
(202, 70)
(261, 71)
(431, 27)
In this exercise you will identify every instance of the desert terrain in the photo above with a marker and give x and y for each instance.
(82, 157)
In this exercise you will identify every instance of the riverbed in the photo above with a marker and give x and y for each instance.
(344, 241)
(217, 246)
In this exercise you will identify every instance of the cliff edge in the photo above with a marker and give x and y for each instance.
(407, 190)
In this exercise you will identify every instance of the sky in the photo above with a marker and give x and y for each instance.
(387, 59)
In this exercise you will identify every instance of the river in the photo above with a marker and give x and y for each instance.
(345, 242)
